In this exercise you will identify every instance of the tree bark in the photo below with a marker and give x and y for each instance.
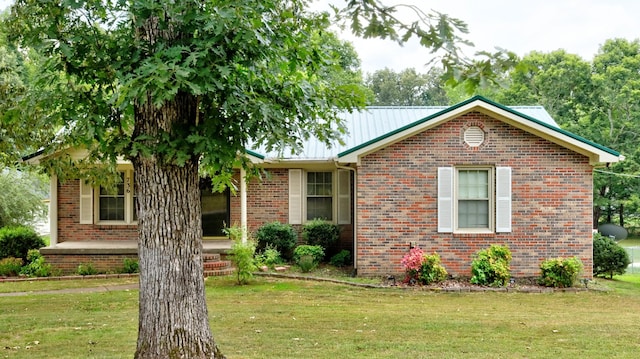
(173, 316)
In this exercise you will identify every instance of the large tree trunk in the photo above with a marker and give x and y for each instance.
(173, 317)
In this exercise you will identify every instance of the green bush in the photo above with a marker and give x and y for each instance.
(432, 271)
(36, 265)
(270, 257)
(242, 256)
(559, 272)
(10, 266)
(86, 269)
(307, 263)
(341, 259)
(279, 236)
(320, 233)
(491, 266)
(307, 257)
(130, 265)
(609, 258)
(17, 241)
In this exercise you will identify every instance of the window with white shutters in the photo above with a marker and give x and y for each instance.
(319, 195)
(474, 199)
(109, 206)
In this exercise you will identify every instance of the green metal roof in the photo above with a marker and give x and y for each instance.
(379, 123)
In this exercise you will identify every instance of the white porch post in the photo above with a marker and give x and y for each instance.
(243, 204)
(53, 211)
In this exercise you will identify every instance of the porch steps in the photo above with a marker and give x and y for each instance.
(213, 265)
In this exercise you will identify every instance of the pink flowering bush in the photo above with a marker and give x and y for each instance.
(423, 268)
(412, 262)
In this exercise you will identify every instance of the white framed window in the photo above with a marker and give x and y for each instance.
(117, 206)
(319, 194)
(474, 204)
(474, 199)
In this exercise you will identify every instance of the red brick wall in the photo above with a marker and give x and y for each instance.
(103, 263)
(69, 227)
(268, 201)
(397, 199)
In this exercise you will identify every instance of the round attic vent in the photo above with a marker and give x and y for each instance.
(474, 136)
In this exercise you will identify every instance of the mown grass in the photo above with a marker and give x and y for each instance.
(630, 242)
(274, 318)
(46, 285)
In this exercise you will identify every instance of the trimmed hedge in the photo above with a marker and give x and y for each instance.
(279, 236)
(17, 241)
(609, 258)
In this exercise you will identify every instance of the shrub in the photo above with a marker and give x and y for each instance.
(277, 235)
(307, 256)
(423, 268)
(130, 265)
(412, 263)
(320, 233)
(491, 266)
(86, 269)
(10, 266)
(307, 263)
(432, 271)
(341, 258)
(270, 257)
(17, 241)
(242, 255)
(559, 272)
(609, 258)
(36, 265)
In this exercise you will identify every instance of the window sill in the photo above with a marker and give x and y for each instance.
(115, 223)
(474, 231)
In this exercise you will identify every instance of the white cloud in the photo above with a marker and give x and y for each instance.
(578, 26)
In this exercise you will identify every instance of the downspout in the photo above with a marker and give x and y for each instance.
(53, 211)
(243, 204)
(355, 214)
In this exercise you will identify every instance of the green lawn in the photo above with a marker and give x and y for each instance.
(299, 319)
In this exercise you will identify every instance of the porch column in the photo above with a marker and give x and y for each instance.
(243, 204)
(53, 211)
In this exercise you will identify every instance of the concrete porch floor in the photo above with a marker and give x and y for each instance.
(122, 247)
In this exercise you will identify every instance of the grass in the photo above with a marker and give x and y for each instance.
(630, 242)
(30, 286)
(273, 318)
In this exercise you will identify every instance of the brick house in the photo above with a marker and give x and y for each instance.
(451, 180)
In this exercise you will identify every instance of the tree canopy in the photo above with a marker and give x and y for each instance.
(598, 101)
(407, 88)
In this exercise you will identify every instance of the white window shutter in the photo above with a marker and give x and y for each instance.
(344, 197)
(503, 199)
(295, 196)
(86, 202)
(445, 199)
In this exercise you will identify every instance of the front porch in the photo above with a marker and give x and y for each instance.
(108, 256)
